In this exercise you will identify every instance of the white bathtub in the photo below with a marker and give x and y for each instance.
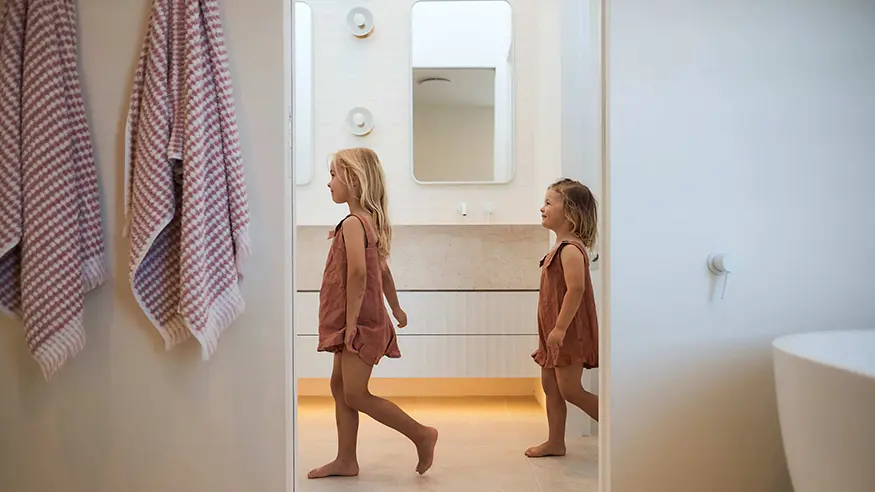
(825, 385)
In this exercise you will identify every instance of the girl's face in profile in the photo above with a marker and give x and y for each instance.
(339, 189)
(553, 211)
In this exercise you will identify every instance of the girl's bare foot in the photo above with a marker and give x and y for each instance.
(335, 469)
(546, 449)
(425, 449)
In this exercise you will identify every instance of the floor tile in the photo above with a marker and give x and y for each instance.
(576, 471)
(481, 449)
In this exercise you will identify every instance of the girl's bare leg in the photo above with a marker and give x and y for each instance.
(556, 415)
(346, 464)
(572, 390)
(356, 374)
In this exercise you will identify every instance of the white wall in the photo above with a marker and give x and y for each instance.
(744, 127)
(125, 415)
(375, 73)
(580, 24)
(453, 143)
(547, 135)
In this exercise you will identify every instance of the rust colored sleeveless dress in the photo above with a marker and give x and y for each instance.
(375, 337)
(581, 345)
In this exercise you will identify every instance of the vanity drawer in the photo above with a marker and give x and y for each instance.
(436, 356)
(446, 313)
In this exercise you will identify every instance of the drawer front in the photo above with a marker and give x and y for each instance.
(446, 313)
(429, 356)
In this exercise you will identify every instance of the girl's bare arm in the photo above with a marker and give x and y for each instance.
(389, 287)
(573, 265)
(356, 269)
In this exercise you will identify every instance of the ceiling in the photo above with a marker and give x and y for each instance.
(468, 87)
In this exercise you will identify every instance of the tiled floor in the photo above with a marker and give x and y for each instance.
(480, 450)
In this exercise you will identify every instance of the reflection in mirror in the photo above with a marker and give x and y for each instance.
(462, 91)
(303, 106)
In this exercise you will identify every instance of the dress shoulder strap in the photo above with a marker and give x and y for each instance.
(548, 259)
(370, 235)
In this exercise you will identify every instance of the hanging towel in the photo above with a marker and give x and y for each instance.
(51, 236)
(185, 196)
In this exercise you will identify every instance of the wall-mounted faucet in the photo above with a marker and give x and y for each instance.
(489, 208)
(720, 265)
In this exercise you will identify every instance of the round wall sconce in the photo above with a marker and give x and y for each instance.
(361, 22)
(360, 121)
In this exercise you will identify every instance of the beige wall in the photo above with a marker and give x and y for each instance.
(126, 415)
(495, 257)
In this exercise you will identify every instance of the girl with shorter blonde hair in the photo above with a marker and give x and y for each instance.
(353, 322)
(567, 324)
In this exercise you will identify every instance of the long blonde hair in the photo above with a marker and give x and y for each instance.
(361, 171)
(581, 209)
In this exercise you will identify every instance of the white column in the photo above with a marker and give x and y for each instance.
(581, 134)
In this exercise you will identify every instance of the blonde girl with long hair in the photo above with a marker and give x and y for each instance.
(353, 322)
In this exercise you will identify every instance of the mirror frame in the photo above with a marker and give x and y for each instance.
(311, 143)
(511, 111)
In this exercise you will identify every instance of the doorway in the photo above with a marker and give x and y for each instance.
(485, 426)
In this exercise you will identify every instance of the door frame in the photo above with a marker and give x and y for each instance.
(290, 235)
(605, 322)
(290, 240)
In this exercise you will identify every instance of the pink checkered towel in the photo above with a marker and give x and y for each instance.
(51, 237)
(185, 199)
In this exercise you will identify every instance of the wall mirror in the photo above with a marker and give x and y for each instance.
(462, 92)
(303, 87)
